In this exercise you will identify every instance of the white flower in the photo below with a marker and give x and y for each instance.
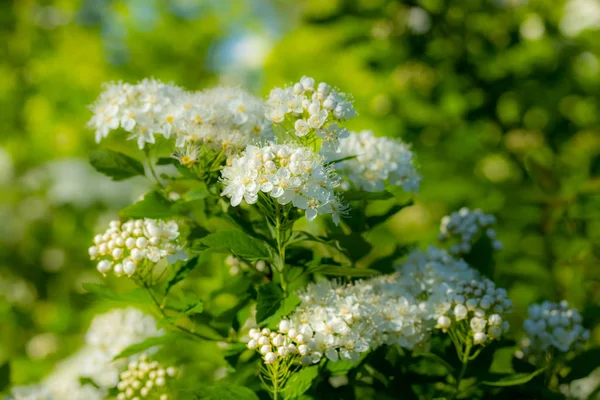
(287, 173)
(464, 226)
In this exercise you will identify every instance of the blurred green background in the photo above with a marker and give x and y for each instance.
(499, 98)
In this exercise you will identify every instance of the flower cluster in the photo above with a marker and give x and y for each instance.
(32, 392)
(221, 117)
(287, 174)
(117, 329)
(465, 225)
(472, 308)
(342, 321)
(553, 326)
(424, 271)
(286, 342)
(377, 161)
(143, 378)
(123, 246)
(236, 265)
(311, 110)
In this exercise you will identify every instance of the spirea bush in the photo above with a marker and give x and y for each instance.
(281, 194)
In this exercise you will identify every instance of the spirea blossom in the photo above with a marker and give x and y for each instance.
(31, 392)
(475, 307)
(423, 272)
(311, 109)
(377, 161)
(144, 378)
(553, 327)
(221, 118)
(118, 329)
(464, 225)
(342, 321)
(123, 246)
(287, 174)
(236, 265)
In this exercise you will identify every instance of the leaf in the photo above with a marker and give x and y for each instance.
(300, 382)
(139, 295)
(146, 344)
(543, 175)
(181, 273)
(386, 264)
(375, 220)
(193, 308)
(339, 160)
(356, 195)
(353, 245)
(4, 376)
(269, 300)
(342, 367)
(583, 364)
(154, 205)
(515, 379)
(198, 193)
(117, 166)
(227, 391)
(334, 270)
(238, 243)
(288, 305)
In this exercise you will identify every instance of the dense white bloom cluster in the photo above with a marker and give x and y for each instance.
(123, 246)
(236, 265)
(222, 117)
(117, 329)
(425, 271)
(311, 109)
(32, 392)
(343, 321)
(474, 307)
(144, 378)
(378, 160)
(288, 174)
(465, 225)
(553, 326)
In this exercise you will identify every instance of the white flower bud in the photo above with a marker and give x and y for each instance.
(460, 312)
(263, 340)
(303, 349)
(160, 381)
(136, 255)
(270, 358)
(495, 320)
(171, 371)
(265, 349)
(141, 242)
(104, 266)
(479, 338)
(93, 251)
(284, 326)
(278, 340)
(129, 267)
(252, 344)
(443, 322)
(118, 268)
(283, 351)
(130, 243)
(117, 253)
(495, 332)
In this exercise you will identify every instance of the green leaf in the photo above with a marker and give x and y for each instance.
(334, 270)
(139, 295)
(117, 166)
(481, 256)
(181, 273)
(227, 391)
(269, 300)
(583, 364)
(197, 193)
(288, 305)
(515, 379)
(300, 382)
(356, 195)
(353, 245)
(193, 308)
(375, 220)
(4, 376)
(339, 160)
(342, 367)
(238, 243)
(154, 205)
(146, 344)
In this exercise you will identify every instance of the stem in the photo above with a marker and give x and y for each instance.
(151, 168)
(280, 249)
(463, 369)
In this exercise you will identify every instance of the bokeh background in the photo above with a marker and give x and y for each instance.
(499, 98)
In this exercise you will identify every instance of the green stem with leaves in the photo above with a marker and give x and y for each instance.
(464, 355)
(151, 168)
(281, 244)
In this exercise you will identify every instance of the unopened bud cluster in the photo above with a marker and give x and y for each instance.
(464, 226)
(123, 246)
(284, 343)
(476, 306)
(236, 265)
(374, 162)
(553, 327)
(144, 378)
(312, 109)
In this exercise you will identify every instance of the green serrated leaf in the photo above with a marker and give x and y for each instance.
(181, 273)
(269, 300)
(154, 205)
(300, 382)
(146, 344)
(515, 379)
(226, 391)
(334, 270)
(138, 296)
(115, 165)
(238, 243)
(583, 364)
